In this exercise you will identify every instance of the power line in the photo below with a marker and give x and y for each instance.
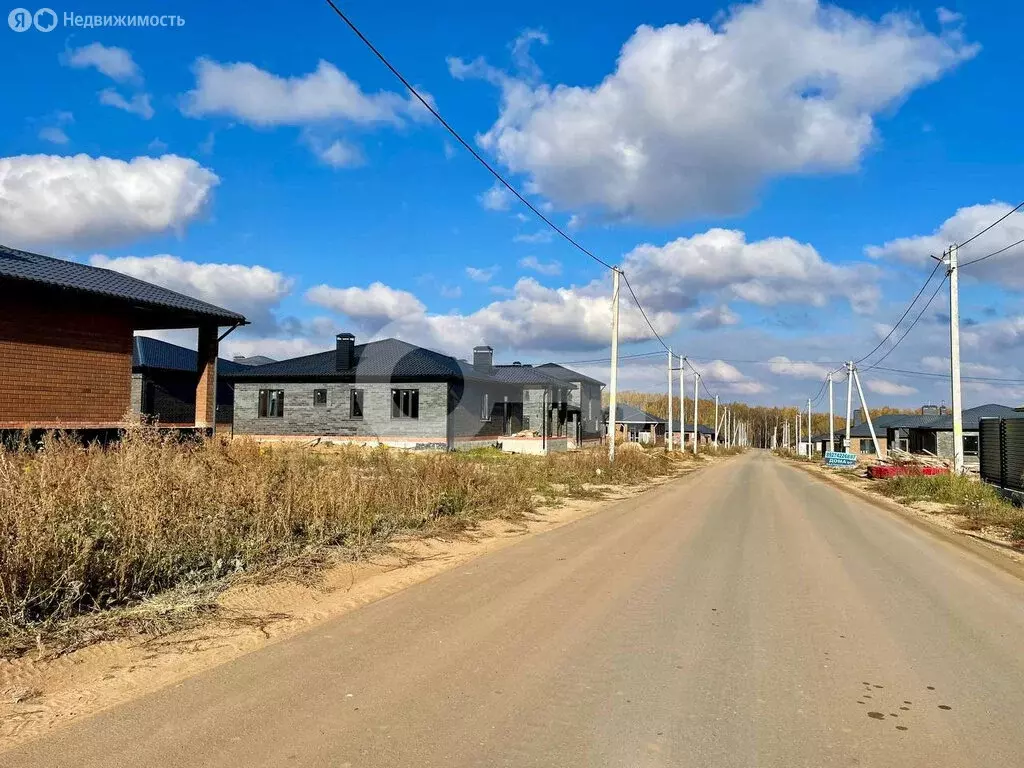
(608, 359)
(903, 316)
(986, 229)
(430, 108)
(989, 256)
(946, 376)
(642, 312)
(916, 320)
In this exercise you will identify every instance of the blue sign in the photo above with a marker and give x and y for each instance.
(837, 459)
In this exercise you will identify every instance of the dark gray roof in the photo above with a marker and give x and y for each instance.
(567, 374)
(880, 423)
(527, 374)
(154, 353)
(388, 360)
(82, 278)
(254, 360)
(631, 415)
(702, 429)
(971, 417)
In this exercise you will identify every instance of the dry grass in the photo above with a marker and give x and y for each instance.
(980, 504)
(153, 522)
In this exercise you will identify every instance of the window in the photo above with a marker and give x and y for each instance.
(355, 404)
(271, 403)
(405, 403)
(866, 446)
(320, 397)
(485, 407)
(590, 409)
(970, 445)
(526, 395)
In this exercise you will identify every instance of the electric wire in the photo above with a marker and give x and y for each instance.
(990, 255)
(916, 320)
(906, 312)
(986, 229)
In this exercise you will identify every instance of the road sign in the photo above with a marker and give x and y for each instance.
(839, 459)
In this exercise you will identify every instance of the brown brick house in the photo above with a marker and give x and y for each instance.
(66, 341)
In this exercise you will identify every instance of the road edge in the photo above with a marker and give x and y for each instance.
(992, 554)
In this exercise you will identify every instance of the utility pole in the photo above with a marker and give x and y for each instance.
(696, 394)
(867, 413)
(849, 403)
(668, 436)
(808, 427)
(716, 422)
(615, 364)
(954, 359)
(796, 424)
(682, 409)
(831, 416)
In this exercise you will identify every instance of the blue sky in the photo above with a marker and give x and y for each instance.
(739, 161)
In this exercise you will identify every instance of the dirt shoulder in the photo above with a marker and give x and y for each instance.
(38, 694)
(940, 520)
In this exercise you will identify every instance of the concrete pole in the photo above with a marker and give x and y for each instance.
(954, 359)
(867, 413)
(668, 434)
(716, 422)
(831, 416)
(696, 398)
(796, 423)
(808, 427)
(612, 405)
(849, 403)
(682, 409)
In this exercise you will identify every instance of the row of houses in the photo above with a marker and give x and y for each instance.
(917, 433)
(638, 426)
(74, 356)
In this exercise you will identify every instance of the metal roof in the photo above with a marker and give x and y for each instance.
(567, 374)
(971, 417)
(527, 374)
(388, 359)
(628, 414)
(83, 278)
(154, 353)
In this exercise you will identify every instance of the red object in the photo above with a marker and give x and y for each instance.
(881, 472)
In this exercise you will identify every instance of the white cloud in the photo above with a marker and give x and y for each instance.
(157, 146)
(695, 118)
(254, 291)
(937, 364)
(575, 222)
(339, 154)
(481, 274)
(534, 238)
(714, 317)
(115, 63)
(138, 105)
(777, 270)
(54, 135)
(533, 317)
(451, 291)
(543, 267)
(885, 387)
(245, 92)
(798, 369)
(1004, 268)
(496, 198)
(947, 16)
(373, 306)
(521, 56)
(83, 200)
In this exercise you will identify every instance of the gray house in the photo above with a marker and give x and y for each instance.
(394, 393)
(584, 401)
(635, 425)
(936, 435)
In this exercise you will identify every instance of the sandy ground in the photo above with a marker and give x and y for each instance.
(38, 695)
(928, 513)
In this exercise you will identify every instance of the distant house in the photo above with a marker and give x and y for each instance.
(395, 393)
(66, 333)
(635, 425)
(705, 434)
(164, 383)
(936, 434)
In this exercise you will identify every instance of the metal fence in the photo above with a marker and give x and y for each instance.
(1001, 452)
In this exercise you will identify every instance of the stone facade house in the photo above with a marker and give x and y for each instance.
(394, 393)
(636, 426)
(584, 401)
(936, 435)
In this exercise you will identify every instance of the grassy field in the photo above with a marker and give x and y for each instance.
(85, 530)
(980, 504)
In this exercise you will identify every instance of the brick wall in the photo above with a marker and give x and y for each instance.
(63, 367)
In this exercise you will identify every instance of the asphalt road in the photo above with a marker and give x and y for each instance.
(749, 615)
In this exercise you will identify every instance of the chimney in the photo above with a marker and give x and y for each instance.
(483, 358)
(858, 416)
(344, 357)
(239, 358)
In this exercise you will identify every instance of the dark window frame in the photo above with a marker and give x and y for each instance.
(317, 401)
(485, 406)
(405, 404)
(268, 406)
(356, 399)
(973, 439)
